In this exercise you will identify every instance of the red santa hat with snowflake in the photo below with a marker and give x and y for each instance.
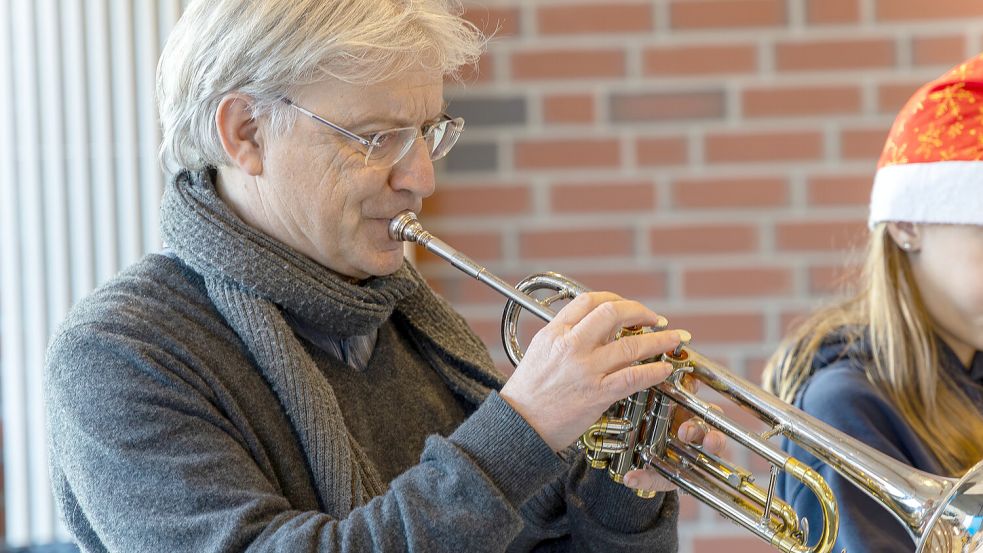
(931, 169)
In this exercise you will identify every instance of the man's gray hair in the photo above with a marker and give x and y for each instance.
(264, 48)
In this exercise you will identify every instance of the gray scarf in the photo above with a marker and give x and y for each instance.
(253, 280)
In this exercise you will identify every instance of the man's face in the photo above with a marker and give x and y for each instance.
(316, 193)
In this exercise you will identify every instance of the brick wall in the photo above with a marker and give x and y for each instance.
(711, 158)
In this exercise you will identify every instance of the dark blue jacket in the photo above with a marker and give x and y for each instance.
(839, 394)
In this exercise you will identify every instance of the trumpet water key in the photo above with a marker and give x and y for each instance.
(943, 515)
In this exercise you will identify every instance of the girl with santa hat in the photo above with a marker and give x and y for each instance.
(899, 365)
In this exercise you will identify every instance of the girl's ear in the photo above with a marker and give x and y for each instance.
(906, 235)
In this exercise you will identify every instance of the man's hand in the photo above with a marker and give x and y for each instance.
(573, 369)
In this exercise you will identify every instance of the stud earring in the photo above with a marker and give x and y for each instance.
(906, 246)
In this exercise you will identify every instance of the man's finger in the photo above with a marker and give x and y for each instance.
(625, 382)
(630, 349)
(698, 432)
(648, 479)
(693, 430)
(715, 442)
(578, 308)
(598, 326)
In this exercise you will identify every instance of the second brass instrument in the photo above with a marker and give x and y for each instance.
(943, 515)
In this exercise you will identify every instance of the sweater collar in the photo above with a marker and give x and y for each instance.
(848, 344)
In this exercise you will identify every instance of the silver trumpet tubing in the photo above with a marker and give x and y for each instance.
(942, 515)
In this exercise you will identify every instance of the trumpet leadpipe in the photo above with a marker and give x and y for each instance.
(406, 228)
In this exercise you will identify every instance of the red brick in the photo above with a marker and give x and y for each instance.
(764, 146)
(661, 151)
(759, 468)
(635, 284)
(576, 242)
(445, 287)
(833, 279)
(481, 72)
(568, 108)
(754, 368)
(529, 325)
(483, 199)
(862, 143)
(892, 97)
(663, 106)
(598, 196)
(595, 18)
(901, 10)
(565, 154)
(726, 14)
(792, 101)
(568, 64)
(748, 422)
(728, 283)
(790, 320)
(832, 11)
(468, 290)
(700, 60)
(839, 190)
(481, 246)
(939, 50)
(719, 327)
(500, 21)
(824, 236)
(834, 54)
(729, 192)
(462, 290)
(702, 239)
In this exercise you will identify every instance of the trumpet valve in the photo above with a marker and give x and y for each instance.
(684, 339)
(598, 459)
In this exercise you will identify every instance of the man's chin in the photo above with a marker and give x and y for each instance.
(387, 263)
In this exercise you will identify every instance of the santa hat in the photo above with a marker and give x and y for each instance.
(931, 169)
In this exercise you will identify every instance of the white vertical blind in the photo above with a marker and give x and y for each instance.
(79, 192)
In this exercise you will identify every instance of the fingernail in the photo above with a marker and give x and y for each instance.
(631, 481)
(690, 434)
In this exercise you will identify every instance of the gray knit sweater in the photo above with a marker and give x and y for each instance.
(165, 436)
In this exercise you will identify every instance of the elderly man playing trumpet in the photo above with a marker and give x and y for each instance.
(279, 378)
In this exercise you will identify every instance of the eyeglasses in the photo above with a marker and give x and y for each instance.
(386, 148)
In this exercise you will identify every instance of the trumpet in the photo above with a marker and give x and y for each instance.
(942, 515)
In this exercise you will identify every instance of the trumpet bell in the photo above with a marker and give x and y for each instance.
(956, 525)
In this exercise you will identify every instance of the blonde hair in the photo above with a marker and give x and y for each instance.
(265, 48)
(889, 313)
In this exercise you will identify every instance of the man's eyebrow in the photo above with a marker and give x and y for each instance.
(382, 123)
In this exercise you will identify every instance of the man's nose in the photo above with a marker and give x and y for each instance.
(415, 171)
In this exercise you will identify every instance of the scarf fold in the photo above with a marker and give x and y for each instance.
(253, 280)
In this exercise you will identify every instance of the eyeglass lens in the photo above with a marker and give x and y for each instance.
(391, 146)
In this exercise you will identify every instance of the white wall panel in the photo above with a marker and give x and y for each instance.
(80, 189)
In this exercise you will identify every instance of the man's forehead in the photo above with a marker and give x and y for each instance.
(405, 100)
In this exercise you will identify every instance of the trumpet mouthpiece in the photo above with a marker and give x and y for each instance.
(405, 227)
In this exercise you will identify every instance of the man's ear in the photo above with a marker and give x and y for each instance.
(906, 235)
(239, 133)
